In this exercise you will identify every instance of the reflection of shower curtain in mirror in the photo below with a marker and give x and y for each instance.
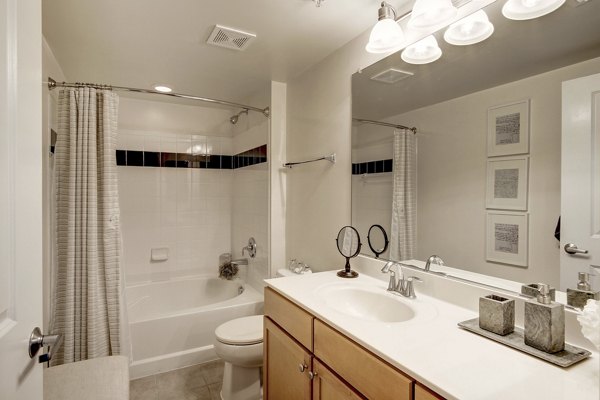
(404, 204)
(87, 293)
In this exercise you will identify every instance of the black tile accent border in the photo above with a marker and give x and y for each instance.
(373, 167)
(247, 158)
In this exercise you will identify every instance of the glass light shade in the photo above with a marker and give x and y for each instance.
(529, 9)
(470, 30)
(385, 36)
(429, 13)
(424, 51)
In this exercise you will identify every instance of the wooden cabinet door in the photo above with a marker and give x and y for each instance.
(422, 393)
(286, 366)
(327, 386)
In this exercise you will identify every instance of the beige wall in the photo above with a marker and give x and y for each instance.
(319, 123)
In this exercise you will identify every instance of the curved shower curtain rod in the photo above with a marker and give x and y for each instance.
(53, 84)
(370, 121)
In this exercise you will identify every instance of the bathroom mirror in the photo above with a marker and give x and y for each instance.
(377, 239)
(348, 244)
(523, 64)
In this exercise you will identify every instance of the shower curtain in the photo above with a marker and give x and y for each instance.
(87, 293)
(404, 195)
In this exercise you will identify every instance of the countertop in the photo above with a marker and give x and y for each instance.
(432, 349)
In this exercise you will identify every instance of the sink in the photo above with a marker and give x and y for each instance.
(365, 303)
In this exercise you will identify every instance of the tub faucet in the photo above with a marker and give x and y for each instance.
(401, 286)
(433, 260)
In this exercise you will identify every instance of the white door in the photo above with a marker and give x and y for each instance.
(20, 196)
(580, 179)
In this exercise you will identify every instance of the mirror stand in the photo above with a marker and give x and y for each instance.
(347, 272)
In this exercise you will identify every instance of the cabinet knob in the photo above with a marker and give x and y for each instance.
(302, 367)
(312, 375)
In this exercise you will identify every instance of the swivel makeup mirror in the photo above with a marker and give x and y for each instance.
(348, 244)
(377, 239)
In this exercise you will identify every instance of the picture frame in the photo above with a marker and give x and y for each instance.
(507, 238)
(508, 129)
(507, 183)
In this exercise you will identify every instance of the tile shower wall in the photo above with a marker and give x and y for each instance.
(187, 210)
(197, 213)
(250, 201)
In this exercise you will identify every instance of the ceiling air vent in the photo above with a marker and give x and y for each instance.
(391, 75)
(230, 38)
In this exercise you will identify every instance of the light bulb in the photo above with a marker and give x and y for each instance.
(163, 89)
(429, 13)
(529, 9)
(385, 36)
(423, 52)
(470, 30)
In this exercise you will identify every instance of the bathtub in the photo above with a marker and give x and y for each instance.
(172, 323)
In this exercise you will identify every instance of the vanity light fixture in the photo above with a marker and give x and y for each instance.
(424, 51)
(529, 9)
(163, 89)
(429, 13)
(386, 35)
(470, 30)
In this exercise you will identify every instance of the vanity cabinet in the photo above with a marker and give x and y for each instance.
(307, 359)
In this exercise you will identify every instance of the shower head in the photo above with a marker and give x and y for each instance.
(234, 119)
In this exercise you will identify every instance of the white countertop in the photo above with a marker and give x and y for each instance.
(431, 348)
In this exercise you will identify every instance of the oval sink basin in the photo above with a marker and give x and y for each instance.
(365, 304)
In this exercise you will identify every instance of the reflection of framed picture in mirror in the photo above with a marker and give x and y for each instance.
(506, 186)
(508, 129)
(507, 238)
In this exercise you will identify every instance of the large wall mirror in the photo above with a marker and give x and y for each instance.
(449, 190)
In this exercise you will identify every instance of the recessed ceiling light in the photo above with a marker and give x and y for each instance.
(163, 89)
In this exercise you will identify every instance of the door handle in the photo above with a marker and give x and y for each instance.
(37, 340)
(572, 249)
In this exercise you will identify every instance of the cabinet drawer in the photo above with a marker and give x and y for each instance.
(371, 376)
(422, 393)
(297, 322)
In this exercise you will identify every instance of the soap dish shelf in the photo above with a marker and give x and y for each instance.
(569, 356)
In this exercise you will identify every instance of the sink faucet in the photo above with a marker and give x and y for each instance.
(433, 260)
(401, 286)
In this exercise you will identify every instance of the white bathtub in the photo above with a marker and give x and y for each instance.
(172, 323)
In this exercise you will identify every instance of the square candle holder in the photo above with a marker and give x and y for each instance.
(497, 314)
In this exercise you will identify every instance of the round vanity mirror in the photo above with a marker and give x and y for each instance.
(348, 244)
(377, 239)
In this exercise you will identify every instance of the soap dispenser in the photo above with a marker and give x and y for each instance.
(579, 297)
(544, 322)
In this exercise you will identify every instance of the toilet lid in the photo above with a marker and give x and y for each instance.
(239, 331)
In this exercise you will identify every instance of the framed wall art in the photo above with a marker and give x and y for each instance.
(508, 129)
(507, 238)
(507, 183)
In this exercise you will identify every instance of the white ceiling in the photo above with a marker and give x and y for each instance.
(143, 42)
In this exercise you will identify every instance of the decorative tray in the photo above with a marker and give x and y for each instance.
(569, 356)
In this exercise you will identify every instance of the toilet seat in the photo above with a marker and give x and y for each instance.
(241, 331)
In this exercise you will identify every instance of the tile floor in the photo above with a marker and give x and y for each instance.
(198, 382)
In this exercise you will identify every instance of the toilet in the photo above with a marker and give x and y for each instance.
(239, 343)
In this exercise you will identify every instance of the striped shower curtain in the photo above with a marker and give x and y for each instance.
(87, 293)
(404, 196)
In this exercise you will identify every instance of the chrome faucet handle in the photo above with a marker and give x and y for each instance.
(409, 290)
(392, 282)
